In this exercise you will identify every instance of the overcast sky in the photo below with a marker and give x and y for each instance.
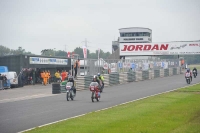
(47, 24)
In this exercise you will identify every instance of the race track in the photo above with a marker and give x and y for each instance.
(20, 115)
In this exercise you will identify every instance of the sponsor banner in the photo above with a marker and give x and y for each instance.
(52, 61)
(105, 66)
(85, 51)
(172, 48)
(113, 67)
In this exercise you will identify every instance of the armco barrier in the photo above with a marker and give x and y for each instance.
(151, 74)
(166, 72)
(174, 71)
(145, 75)
(131, 76)
(170, 71)
(106, 80)
(120, 78)
(113, 78)
(156, 73)
(88, 80)
(161, 72)
(138, 76)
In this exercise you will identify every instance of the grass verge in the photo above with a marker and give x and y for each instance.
(173, 112)
(192, 66)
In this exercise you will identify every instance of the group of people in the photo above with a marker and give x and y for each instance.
(188, 72)
(62, 76)
(45, 75)
(3, 78)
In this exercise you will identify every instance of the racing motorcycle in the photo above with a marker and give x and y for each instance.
(69, 91)
(95, 91)
(187, 76)
(194, 73)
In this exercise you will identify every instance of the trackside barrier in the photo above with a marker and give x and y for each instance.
(138, 75)
(166, 72)
(1, 84)
(123, 77)
(151, 74)
(174, 71)
(145, 75)
(156, 73)
(161, 72)
(106, 80)
(170, 71)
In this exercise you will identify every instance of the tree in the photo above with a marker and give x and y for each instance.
(4, 51)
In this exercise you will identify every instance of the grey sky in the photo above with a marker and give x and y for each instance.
(40, 24)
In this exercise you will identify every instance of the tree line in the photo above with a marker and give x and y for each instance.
(51, 52)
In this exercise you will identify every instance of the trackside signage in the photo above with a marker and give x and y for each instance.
(52, 61)
(172, 48)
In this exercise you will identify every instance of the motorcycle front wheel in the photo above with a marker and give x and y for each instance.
(92, 97)
(67, 96)
(71, 96)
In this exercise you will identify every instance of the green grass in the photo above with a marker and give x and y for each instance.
(173, 112)
(192, 66)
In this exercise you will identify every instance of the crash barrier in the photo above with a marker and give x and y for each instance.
(83, 82)
(107, 66)
(1, 84)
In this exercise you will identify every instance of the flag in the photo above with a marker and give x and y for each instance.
(84, 51)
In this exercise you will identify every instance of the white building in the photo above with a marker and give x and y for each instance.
(132, 35)
(135, 35)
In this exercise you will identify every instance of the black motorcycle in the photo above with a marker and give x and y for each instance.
(194, 73)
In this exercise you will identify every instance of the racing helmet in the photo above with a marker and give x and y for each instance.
(98, 74)
(188, 70)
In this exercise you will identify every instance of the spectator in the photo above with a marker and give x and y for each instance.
(57, 75)
(76, 66)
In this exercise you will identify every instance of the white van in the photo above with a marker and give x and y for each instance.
(12, 76)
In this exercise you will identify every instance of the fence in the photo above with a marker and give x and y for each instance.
(93, 66)
(115, 78)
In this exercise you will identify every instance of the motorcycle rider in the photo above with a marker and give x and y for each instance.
(72, 80)
(188, 71)
(195, 70)
(95, 79)
(100, 77)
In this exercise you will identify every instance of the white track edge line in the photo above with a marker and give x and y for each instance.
(107, 108)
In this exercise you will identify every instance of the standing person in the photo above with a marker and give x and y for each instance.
(42, 77)
(76, 66)
(63, 75)
(46, 75)
(49, 77)
(57, 75)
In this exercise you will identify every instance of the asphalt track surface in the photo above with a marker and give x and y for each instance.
(20, 115)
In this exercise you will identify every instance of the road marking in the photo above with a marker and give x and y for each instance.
(107, 108)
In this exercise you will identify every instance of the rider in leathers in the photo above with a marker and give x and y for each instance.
(100, 77)
(72, 80)
(195, 70)
(188, 71)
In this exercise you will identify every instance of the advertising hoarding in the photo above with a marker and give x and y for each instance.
(52, 61)
(172, 48)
